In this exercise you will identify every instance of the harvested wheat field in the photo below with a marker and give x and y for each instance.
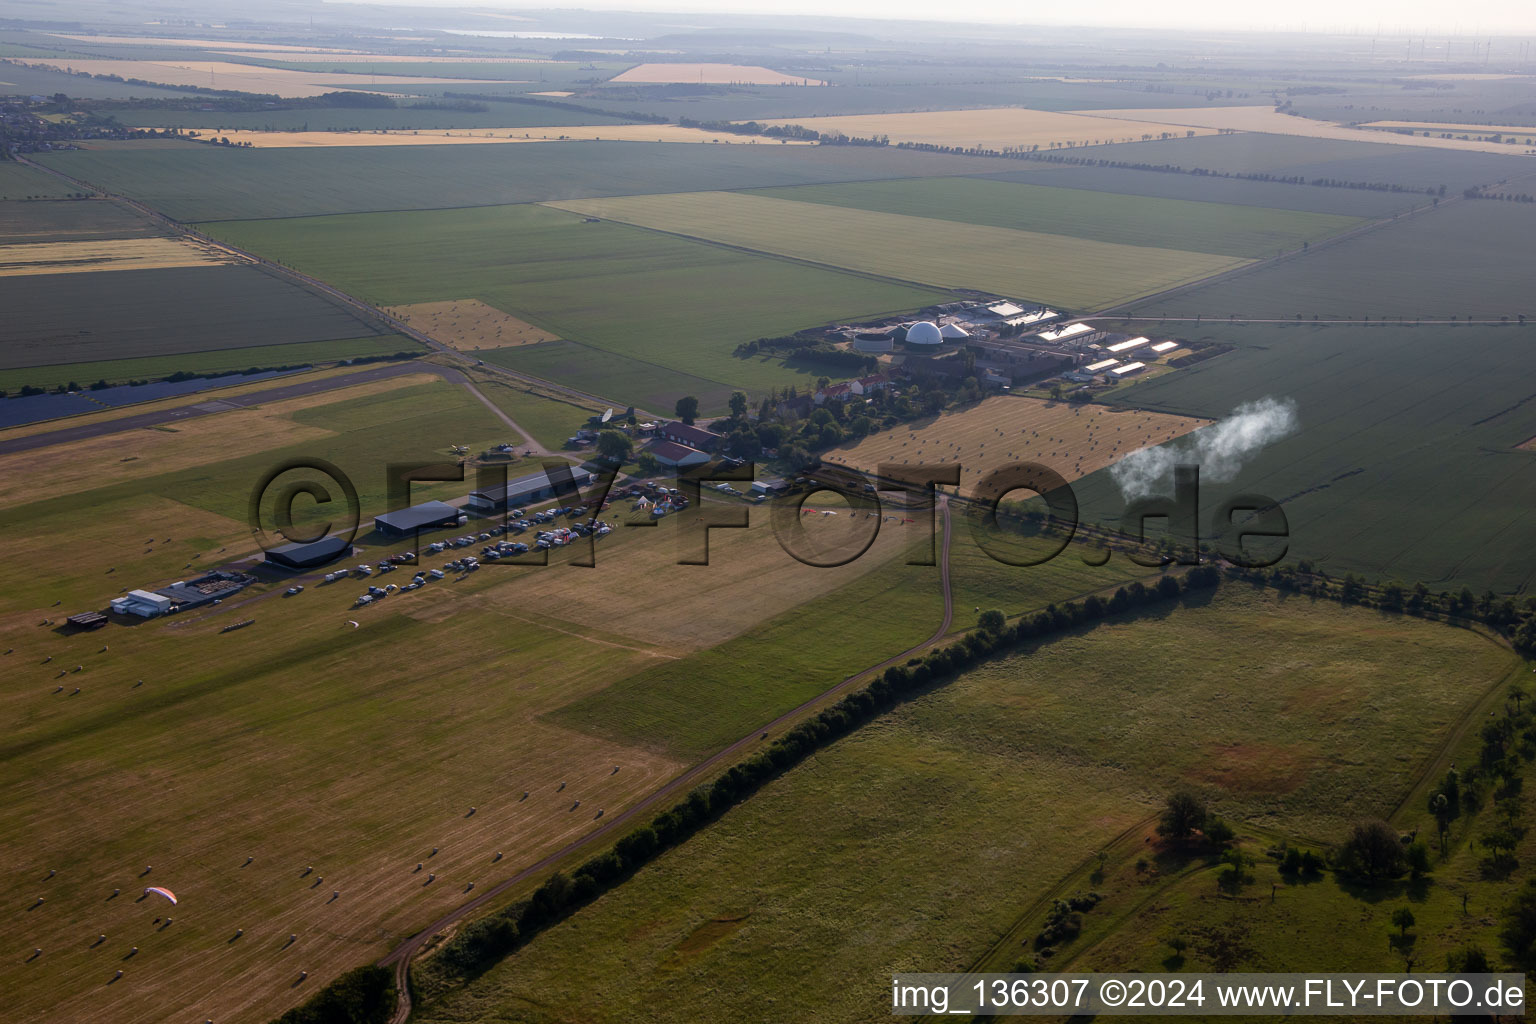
(996, 128)
(710, 74)
(111, 254)
(1074, 440)
(553, 92)
(478, 136)
(469, 324)
(227, 76)
(1265, 119)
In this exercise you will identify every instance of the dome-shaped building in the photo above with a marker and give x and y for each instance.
(924, 332)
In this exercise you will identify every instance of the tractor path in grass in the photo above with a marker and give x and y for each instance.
(400, 958)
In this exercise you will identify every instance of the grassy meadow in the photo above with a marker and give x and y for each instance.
(19, 182)
(1056, 269)
(914, 842)
(677, 304)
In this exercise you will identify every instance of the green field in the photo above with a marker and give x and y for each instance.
(1405, 465)
(90, 318)
(1216, 228)
(20, 182)
(1460, 260)
(116, 371)
(71, 221)
(597, 371)
(192, 182)
(913, 843)
(1209, 188)
(677, 304)
(1072, 272)
(1285, 156)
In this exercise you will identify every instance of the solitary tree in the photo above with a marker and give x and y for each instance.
(1182, 815)
(1374, 851)
(992, 621)
(614, 446)
(687, 409)
(1402, 919)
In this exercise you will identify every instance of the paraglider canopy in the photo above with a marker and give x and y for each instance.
(161, 892)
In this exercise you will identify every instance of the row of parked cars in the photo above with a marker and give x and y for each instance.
(421, 579)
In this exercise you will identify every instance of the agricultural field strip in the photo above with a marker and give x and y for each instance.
(1217, 228)
(248, 77)
(1524, 131)
(708, 74)
(1266, 120)
(483, 136)
(30, 258)
(1000, 129)
(1047, 268)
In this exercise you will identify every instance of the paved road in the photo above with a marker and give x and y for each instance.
(400, 957)
(215, 403)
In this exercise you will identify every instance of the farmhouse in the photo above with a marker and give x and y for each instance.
(526, 490)
(141, 603)
(692, 437)
(302, 556)
(869, 385)
(670, 453)
(426, 516)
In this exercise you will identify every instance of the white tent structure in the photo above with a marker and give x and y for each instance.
(953, 332)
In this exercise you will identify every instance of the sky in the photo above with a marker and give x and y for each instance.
(1498, 17)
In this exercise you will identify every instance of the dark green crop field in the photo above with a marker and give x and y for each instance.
(117, 371)
(192, 182)
(1469, 258)
(1216, 228)
(1406, 462)
(1293, 155)
(58, 318)
(680, 305)
(69, 220)
(1205, 188)
(18, 181)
